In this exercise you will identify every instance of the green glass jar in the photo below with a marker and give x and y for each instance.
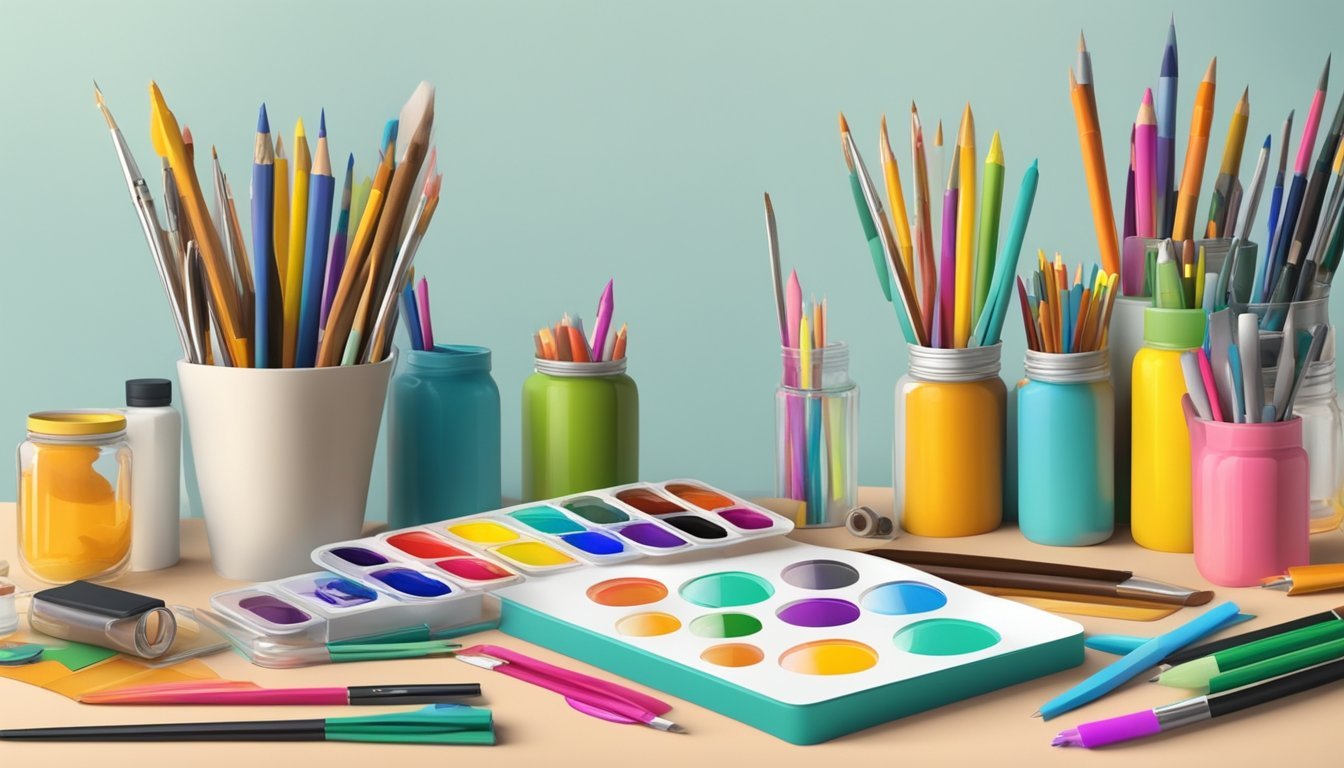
(580, 428)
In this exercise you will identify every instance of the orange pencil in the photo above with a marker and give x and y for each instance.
(578, 347)
(618, 352)
(562, 350)
(1094, 158)
(1047, 328)
(1196, 151)
(1081, 322)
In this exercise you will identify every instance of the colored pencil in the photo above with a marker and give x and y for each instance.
(1094, 158)
(410, 315)
(619, 353)
(339, 242)
(1283, 272)
(1128, 225)
(1314, 197)
(298, 232)
(426, 324)
(1146, 201)
(900, 220)
(263, 244)
(965, 276)
(866, 222)
(1000, 291)
(281, 243)
(947, 287)
(321, 188)
(1164, 109)
(1196, 152)
(602, 325)
(928, 269)
(991, 206)
(793, 303)
(381, 337)
(1220, 208)
(1264, 276)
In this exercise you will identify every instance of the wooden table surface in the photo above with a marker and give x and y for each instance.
(536, 728)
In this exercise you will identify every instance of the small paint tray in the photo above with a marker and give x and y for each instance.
(434, 551)
(273, 614)
(405, 579)
(699, 526)
(555, 525)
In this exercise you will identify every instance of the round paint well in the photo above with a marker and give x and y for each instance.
(820, 574)
(726, 589)
(423, 544)
(746, 519)
(273, 609)
(649, 624)
(829, 657)
(652, 536)
(473, 569)
(819, 612)
(733, 655)
(649, 502)
(725, 625)
(546, 520)
(596, 511)
(411, 582)
(700, 496)
(698, 527)
(534, 553)
(627, 591)
(945, 637)
(359, 556)
(898, 598)
(483, 532)
(593, 543)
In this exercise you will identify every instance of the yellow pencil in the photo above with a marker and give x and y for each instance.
(298, 231)
(805, 352)
(965, 278)
(891, 172)
(280, 228)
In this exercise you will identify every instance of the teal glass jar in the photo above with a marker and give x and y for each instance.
(443, 436)
(1066, 449)
(580, 428)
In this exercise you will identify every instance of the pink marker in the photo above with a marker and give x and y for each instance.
(1210, 388)
(426, 326)
(606, 306)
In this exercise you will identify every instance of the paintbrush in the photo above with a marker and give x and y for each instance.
(415, 233)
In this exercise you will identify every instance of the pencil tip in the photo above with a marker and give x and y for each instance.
(213, 154)
(350, 165)
(1325, 73)
(1212, 74)
(263, 122)
(298, 130)
(913, 109)
(1082, 42)
(1037, 713)
(322, 124)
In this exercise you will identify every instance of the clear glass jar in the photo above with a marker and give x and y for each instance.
(949, 442)
(1323, 438)
(580, 428)
(816, 437)
(74, 508)
(1066, 449)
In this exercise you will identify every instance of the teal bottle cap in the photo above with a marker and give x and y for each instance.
(1173, 328)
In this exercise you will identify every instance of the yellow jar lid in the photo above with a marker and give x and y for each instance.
(72, 423)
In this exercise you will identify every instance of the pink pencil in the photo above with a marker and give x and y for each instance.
(947, 286)
(1145, 167)
(1308, 144)
(605, 307)
(1206, 373)
(426, 326)
(793, 312)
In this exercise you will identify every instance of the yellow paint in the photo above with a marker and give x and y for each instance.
(483, 533)
(829, 657)
(953, 479)
(74, 522)
(533, 553)
(1160, 493)
(733, 655)
(648, 625)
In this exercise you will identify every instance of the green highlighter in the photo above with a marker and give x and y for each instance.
(1200, 673)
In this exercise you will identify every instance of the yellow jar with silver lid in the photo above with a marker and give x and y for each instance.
(75, 496)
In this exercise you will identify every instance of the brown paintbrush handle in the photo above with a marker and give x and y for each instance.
(983, 563)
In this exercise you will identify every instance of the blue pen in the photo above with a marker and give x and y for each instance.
(1145, 656)
(1263, 277)
(1238, 391)
(1120, 645)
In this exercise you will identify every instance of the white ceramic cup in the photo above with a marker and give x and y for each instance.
(283, 458)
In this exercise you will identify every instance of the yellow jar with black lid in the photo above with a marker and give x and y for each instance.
(75, 496)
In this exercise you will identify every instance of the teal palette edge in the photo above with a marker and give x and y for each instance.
(796, 724)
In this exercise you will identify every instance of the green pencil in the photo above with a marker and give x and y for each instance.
(1196, 674)
(1279, 665)
(991, 203)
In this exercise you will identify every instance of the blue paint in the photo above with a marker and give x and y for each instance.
(412, 582)
(898, 598)
(359, 556)
(594, 543)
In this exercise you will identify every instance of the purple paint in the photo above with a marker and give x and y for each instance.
(273, 609)
(651, 535)
(819, 612)
(746, 519)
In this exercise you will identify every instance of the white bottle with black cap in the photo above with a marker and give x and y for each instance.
(154, 430)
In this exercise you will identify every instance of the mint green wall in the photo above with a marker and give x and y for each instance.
(582, 140)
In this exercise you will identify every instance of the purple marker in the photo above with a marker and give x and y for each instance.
(606, 306)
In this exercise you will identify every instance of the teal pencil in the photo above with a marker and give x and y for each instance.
(990, 328)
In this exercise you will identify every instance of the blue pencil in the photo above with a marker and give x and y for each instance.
(1165, 112)
(263, 253)
(321, 188)
(410, 315)
(1275, 209)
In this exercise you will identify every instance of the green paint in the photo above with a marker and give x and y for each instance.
(725, 625)
(595, 511)
(546, 520)
(945, 637)
(726, 589)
